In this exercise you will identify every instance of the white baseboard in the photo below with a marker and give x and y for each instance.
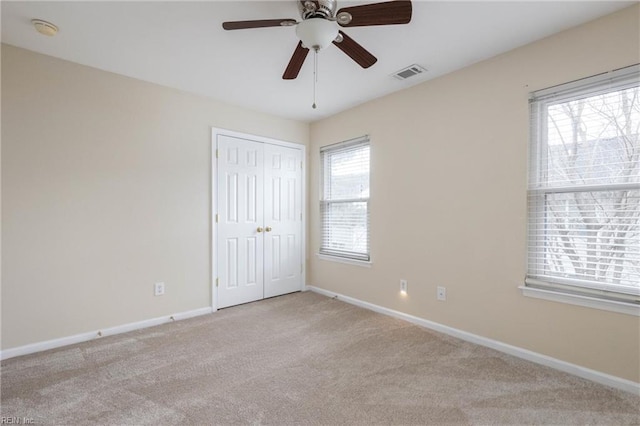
(576, 370)
(91, 335)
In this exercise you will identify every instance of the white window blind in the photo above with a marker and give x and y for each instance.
(584, 187)
(344, 204)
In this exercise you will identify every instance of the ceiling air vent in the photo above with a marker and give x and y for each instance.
(409, 72)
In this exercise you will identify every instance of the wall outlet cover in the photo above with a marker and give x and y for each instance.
(158, 289)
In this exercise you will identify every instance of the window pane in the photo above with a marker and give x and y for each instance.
(346, 173)
(594, 140)
(593, 236)
(346, 227)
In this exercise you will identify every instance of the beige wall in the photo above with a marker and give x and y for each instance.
(448, 200)
(105, 190)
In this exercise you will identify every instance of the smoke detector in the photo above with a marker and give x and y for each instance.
(44, 27)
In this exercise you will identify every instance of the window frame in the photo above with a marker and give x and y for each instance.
(346, 256)
(569, 290)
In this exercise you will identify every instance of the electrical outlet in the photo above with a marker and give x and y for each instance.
(403, 286)
(442, 293)
(158, 289)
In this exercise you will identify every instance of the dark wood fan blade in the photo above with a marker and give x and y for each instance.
(262, 23)
(355, 51)
(297, 59)
(387, 13)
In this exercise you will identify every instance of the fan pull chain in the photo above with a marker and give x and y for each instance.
(315, 76)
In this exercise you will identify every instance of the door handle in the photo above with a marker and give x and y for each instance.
(268, 229)
(259, 229)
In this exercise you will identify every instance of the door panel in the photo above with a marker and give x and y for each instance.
(283, 207)
(240, 197)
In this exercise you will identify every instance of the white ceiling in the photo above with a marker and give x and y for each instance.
(182, 45)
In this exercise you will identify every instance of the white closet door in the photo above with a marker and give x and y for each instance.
(240, 192)
(282, 220)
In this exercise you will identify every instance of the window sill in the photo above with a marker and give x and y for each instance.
(586, 301)
(361, 263)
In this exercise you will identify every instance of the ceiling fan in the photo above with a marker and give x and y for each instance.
(320, 27)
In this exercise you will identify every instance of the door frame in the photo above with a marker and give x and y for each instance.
(215, 132)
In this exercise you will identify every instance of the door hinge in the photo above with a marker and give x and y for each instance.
(217, 281)
(300, 215)
(216, 217)
(301, 165)
(301, 268)
(216, 152)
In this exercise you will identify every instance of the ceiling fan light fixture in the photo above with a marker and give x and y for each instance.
(316, 33)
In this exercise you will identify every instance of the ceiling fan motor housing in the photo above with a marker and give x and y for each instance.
(318, 9)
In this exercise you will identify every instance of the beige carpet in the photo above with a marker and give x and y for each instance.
(298, 359)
